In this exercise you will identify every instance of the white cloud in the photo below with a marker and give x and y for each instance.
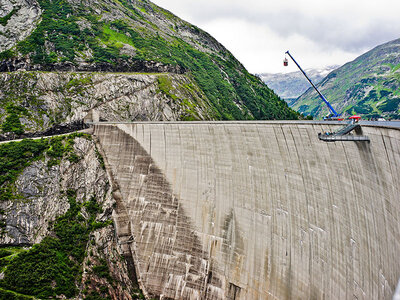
(262, 50)
(318, 32)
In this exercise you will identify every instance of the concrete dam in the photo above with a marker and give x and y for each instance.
(256, 210)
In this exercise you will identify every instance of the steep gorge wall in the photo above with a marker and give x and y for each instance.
(257, 210)
(47, 99)
(42, 181)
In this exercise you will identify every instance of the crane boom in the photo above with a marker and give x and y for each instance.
(333, 111)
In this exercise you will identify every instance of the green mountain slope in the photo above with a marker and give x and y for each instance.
(138, 36)
(369, 85)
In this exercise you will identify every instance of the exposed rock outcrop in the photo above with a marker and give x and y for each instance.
(128, 66)
(64, 98)
(20, 19)
(42, 192)
(42, 199)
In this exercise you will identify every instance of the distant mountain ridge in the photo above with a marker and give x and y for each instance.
(369, 85)
(294, 84)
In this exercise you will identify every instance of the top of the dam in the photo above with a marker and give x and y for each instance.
(387, 124)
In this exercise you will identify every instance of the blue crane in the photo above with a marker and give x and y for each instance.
(333, 111)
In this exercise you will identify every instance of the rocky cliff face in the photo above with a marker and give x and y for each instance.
(41, 189)
(49, 99)
(18, 18)
(42, 197)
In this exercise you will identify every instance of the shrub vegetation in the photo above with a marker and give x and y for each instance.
(16, 156)
(53, 267)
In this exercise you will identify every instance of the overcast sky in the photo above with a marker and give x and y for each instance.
(318, 33)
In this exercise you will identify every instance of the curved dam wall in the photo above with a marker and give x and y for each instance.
(256, 210)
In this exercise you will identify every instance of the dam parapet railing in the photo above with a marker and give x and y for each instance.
(385, 124)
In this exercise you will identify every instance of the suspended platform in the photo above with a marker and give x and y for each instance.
(343, 135)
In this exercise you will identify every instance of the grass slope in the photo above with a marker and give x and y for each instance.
(369, 85)
(74, 33)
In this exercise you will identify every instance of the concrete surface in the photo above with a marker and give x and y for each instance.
(257, 210)
(396, 295)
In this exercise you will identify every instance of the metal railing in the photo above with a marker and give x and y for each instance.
(349, 137)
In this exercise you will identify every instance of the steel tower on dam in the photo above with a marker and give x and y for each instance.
(256, 210)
